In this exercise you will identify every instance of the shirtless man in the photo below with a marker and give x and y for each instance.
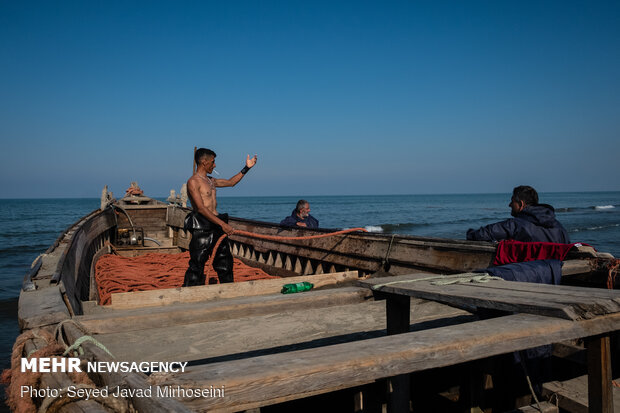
(205, 223)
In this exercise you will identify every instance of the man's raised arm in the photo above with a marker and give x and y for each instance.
(249, 163)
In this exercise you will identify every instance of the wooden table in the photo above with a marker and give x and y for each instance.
(292, 364)
(583, 306)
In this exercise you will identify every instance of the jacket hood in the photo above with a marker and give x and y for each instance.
(541, 214)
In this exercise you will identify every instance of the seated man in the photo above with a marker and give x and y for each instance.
(532, 222)
(301, 216)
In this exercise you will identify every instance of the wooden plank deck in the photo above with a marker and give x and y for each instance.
(277, 329)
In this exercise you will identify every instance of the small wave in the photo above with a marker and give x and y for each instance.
(588, 208)
(596, 228)
(573, 209)
(373, 228)
(402, 227)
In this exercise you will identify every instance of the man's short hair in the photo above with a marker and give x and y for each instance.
(201, 153)
(300, 204)
(525, 193)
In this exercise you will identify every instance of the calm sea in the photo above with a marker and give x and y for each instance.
(29, 226)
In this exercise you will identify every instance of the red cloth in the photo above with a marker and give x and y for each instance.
(510, 251)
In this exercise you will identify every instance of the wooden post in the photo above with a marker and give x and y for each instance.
(194, 162)
(398, 308)
(600, 396)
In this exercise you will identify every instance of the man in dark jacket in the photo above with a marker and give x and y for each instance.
(532, 222)
(301, 216)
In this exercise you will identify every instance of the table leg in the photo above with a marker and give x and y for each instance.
(398, 309)
(398, 314)
(600, 397)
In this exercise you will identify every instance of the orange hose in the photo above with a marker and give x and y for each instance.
(209, 263)
(280, 238)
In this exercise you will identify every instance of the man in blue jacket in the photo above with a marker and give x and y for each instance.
(301, 216)
(532, 222)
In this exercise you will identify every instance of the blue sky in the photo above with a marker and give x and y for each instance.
(358, 97)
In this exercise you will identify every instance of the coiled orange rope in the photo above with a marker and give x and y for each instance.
(15, 380)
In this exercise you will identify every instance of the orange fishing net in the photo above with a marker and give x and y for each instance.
(116, 274)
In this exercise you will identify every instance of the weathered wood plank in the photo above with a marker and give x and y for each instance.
(41, 307)
(284, 331)
(159, 317)
(268, 379)
(558, 301)
(209, 292)
(565, 290)
(462, 296)
(49, 264)
(176, 216)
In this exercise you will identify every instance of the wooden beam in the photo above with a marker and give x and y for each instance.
(168, 296)
(173, 315)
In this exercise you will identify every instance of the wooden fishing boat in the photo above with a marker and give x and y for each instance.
(251, 347)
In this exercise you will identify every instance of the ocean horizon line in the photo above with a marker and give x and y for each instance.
(322, 196)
